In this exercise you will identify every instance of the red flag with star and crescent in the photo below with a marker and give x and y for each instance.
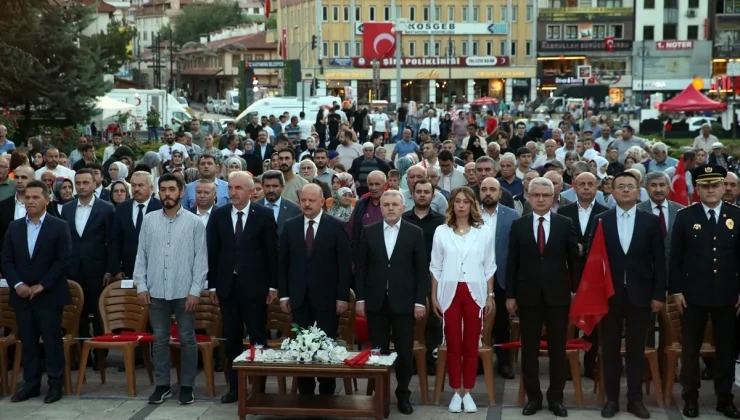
(679, 190)
(378, 40)
(609, 43)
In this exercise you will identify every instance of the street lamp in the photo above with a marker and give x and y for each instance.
(643, 52)
(450, 53)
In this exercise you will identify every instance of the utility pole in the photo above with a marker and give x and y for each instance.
(173, 87)
(643, 53)
(450, 52)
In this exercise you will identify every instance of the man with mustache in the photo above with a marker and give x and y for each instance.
(293, 182)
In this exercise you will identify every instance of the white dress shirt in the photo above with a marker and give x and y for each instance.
(626, 226)
(656, 211)
(59, 171)
(316, 221)
(204, 217)
(20, 209)
(275, 207)
(490, 219)
(717, 211)
(83, 214)
(235, 216)
(97, 191)
(431, 124)
(390, 236)
(135, 210)
(583, 215)
(545, 225)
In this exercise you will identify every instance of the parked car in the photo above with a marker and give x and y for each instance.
(212, 106)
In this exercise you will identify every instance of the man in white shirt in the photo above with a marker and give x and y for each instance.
(306, 126)
(348, 150)
(205, 198)
(589, 153)
(706, 139)
(380, 122)
(569, 146)
(550, 148)
(429, 152)
(431, 123)
(605, 140)
(51, 158)
(165, 151)
(116, 141)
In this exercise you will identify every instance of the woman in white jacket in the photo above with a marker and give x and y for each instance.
(462, 267)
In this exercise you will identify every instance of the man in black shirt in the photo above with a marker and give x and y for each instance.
(401, 116)
(253, 129)
(520, 137)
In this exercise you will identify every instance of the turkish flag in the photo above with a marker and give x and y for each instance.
(284, 43)
(592, 297)
(378, 40)
(267, 9)
(609, 42)
(679, 190)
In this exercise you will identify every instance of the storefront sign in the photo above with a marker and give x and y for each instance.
(348, 76)
(667, 84)
(268, 64)
(341, 62)
(674, 45)
(500, 74)
(565, 46)
(727, 51)
(430, 75)
(492, 61)
(448, 28)
(575, 14)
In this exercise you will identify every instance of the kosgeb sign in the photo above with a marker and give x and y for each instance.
(565, 46)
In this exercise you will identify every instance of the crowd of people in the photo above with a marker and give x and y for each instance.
(454, 230)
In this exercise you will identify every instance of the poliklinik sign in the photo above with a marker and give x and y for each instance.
(487, 61)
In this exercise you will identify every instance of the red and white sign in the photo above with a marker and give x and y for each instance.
(492, 61)
(378, 40)
(285, 44)
(674, 45)
(609, 43)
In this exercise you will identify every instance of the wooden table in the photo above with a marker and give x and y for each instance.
(376, 406)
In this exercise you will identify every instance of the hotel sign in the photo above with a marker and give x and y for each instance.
(576, 46)
(484, 61)
(448, 28)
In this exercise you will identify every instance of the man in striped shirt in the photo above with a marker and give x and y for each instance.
(170, 274)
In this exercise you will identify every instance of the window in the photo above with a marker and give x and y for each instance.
(259, 57)
(670, 4)
(464, 49)
(372, 13)
(412, 13)
(489, 48)
(617, 31)
(399, 12)
(649, 4)
(609, 3)
(425, 14)
(437, 49)
(530, 13)
(345, 13)
(598, 32)
(437, 13)
(347, 52)
(513, 48)
(335, 14)
(358, 49)
(475, 14)
(475, 48)
(503, 14)
(324, 49)
(335, 49)
(324, 14)
(144, 35)
(451, 14)
(502, 47)
(553, 31)
(465, 13)
(386, 13)
(571, 32)
(412, 49)
(648, 33)
(426, 49)
(528, 48)
(514, 13)
(358, 14)
(693, 32)
(670, 31)
(693, 4)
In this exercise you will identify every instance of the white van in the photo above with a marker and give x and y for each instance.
(165, 103)
(232, 103)
(291, 104)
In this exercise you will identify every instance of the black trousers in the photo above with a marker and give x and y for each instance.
(379, 326)
(693, 323)
(555, 318)
(237, 313)
(305, 316)
(635, 320)
(501, 325)
(45, 323)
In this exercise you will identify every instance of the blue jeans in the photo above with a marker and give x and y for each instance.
(399, 134)
(160, 317)
(152, 133)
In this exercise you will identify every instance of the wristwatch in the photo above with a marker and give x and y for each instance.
(490, 295)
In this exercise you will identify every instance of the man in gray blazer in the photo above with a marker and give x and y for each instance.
(272, 184)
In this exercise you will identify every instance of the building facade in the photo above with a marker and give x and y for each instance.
(571, 34)
(672, 46)
(725, 23)
(451, 50)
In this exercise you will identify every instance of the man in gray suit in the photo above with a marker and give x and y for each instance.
(557, 182)
(272, 184)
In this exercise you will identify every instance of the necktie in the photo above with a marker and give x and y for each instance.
(625, 238)
(239, 226)
(661, 218)
(541, 235)
(713, 217)
(139, 217)
(309, 237)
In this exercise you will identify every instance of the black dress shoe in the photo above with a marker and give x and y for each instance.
(230, 397)
(531, 408)
(728, 410)
(53, 396)
(25, 393)
(558, 409)
(505, 372)
(404, 406)
(638, 410)
(691, 409)
(707, 374)
(610, 410)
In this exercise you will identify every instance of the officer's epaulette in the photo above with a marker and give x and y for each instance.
(688, 207)
(731, 204)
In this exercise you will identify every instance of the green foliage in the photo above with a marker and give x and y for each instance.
(270, 23)
(139, 148)
(64, 138)
(8, 120)
(200, 19)
(115, 45)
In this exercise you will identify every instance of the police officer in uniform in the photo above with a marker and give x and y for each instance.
(704, 278)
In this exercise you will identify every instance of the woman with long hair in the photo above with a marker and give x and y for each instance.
(462, 267)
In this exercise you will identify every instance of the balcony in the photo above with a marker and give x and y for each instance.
(571, 14)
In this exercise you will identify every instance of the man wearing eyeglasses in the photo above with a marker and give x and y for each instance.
(704, 272)
(636, 256)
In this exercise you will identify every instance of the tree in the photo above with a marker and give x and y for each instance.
(114, 45)
(197, 20)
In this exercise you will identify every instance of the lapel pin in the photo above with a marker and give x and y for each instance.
(730, 224)
(697, 227)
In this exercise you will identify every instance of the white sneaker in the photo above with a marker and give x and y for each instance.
(468, 404)
(456, 404)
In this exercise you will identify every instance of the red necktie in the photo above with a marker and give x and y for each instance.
(661, 218)
(541, 235)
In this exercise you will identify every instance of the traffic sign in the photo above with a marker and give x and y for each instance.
(266, 64)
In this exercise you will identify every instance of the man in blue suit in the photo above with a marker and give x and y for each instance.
(499, 218)
(35, 259)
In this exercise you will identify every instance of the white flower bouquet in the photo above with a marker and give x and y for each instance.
(313, 345)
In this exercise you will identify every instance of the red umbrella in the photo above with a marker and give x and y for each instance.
(485, 101)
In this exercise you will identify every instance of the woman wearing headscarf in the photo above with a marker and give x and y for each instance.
(342, 204)
(63, 193)
(153, 160)
(232, 164)
(119, 154)
(118, 171)
(176, 163)
(599, 165)
(191, 175)
(119, 192)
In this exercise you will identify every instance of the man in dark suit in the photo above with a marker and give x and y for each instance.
(91, 264)
(100, 192)
(582, 213)
(35, 259)
(282, 210)
(541, 289)
(392, 286)
(314, 273)
(14, 207)
(485, 167)
(242, 269)
(205, 200)
(704, 270)
(262, 148)
(634, 245)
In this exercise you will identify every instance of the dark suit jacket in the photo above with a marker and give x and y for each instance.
(644, 266)
(255, 257)
(324, 275)
(91, 257)
(554, 275)
(404, 277)
(105, 195)
(288, 210)
(47, 266)
(125, 238)
(194, 210)
(269, 150)
(571, 211)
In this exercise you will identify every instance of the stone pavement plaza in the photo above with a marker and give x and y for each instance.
(109, 401)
